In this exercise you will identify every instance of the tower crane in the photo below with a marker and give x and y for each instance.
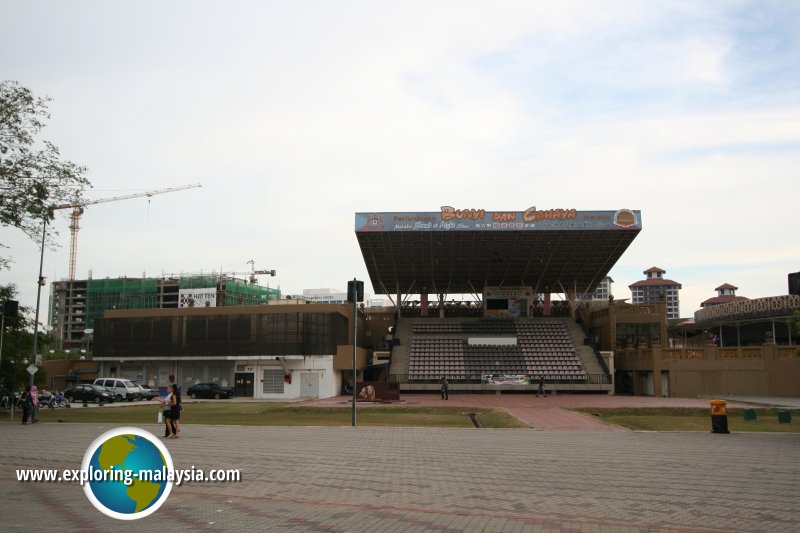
(252, 273)
(78, 207)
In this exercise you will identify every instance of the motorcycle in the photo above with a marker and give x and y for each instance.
(54, 401)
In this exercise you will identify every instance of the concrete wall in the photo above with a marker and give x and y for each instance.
(768, 370)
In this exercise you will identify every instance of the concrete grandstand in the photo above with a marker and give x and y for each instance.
(512, 334)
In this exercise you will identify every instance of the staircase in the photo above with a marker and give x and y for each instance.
(586, 353)
(401, 352)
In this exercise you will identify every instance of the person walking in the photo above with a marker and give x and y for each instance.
(34, 392)
(541, 387)
(175, 412)
(166, 403)
(25, 403)
(445, 386)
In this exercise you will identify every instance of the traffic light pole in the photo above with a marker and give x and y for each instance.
(355, 331)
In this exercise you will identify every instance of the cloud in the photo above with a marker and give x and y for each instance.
(295, 116)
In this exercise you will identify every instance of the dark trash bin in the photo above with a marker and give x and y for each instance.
(719, 416)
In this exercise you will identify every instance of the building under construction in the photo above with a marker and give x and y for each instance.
(75, 304)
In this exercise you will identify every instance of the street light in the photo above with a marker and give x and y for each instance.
(40, 283)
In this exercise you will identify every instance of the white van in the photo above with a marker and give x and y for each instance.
(122, 389)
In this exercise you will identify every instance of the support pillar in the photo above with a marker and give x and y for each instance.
(546, 304)
(656, 364)
(423, 302)
(399, 305)
(637, 383)
(572, 299)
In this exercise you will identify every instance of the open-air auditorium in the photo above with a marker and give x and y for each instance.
(524, 275)
(492, 301)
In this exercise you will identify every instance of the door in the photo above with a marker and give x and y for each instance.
(309, 385)
(244, 384)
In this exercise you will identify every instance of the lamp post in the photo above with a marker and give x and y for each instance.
(38, 294)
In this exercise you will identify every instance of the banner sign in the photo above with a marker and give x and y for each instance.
(507, 379)
(452, 219)
(197, 297)
(507, 292)
(507, 302)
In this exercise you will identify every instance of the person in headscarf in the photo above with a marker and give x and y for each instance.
(34, 404)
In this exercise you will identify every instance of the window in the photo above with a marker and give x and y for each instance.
(273, 381)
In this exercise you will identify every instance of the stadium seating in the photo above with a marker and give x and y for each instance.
(451, 349)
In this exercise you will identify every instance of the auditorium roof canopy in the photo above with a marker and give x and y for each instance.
(462, 251)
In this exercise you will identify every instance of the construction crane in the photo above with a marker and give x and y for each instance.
(252, 273)
(79, 207)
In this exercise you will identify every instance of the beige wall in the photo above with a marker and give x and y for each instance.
(767, 370)
(62, 367)
(343, 360)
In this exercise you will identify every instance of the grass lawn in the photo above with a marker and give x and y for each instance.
(683, 419)
(282, 414)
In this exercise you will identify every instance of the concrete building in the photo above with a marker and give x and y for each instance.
(726, 293)
(265, 351)
(603, 290)
(336, 296)
(75, 304)
(655, 287)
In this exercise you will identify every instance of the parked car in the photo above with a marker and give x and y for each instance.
(122, 389)
(208, 390)
(146, 393)
(88, 392)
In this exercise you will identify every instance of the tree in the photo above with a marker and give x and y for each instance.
(33, 176)
(17, 342)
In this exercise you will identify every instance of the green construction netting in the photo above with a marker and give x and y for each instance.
(121, 293)
(240, 293)
(142, 293)
(198, 282)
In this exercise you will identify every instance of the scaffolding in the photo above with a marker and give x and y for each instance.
(151, 293)
(236, 292)
(120, 293)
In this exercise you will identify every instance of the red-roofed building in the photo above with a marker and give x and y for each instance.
(650, 291)
(726, 293)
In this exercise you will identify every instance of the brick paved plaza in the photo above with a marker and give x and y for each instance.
(437, 480)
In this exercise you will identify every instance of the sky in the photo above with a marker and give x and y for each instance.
(295, 115)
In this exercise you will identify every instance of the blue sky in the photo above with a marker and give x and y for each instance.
(296, 115)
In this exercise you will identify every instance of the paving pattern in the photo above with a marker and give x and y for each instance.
(549, 413)
(344, 479)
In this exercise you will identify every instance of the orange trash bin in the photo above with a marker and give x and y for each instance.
(719, 416)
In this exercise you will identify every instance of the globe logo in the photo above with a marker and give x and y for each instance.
(128, 473)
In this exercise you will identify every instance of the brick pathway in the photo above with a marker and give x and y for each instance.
(546, 414)
(372, 480)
